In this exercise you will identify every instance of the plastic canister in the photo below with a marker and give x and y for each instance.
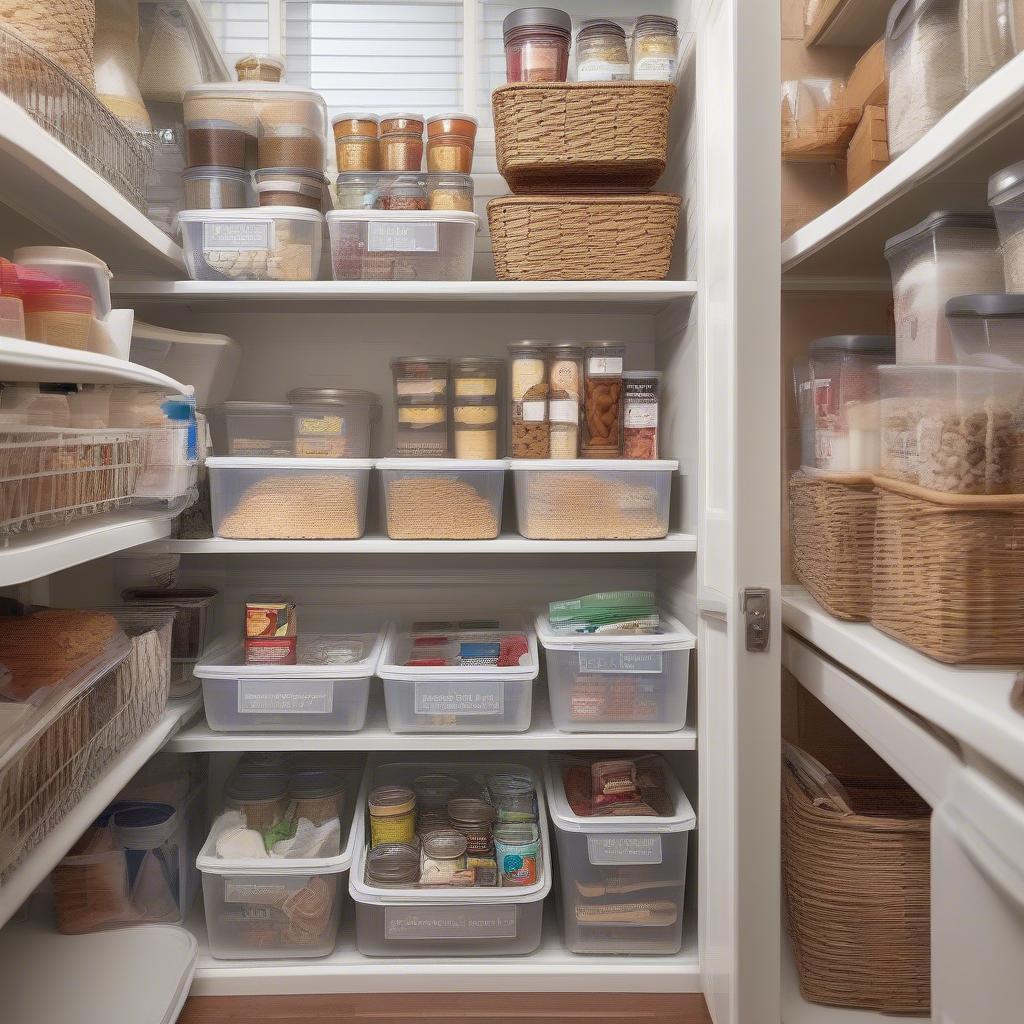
(392, 815)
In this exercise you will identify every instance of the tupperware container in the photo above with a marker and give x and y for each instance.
(291, 186)
(218, 143)
(446, 921)
(1006, 197)
(57, 312)
(288, 499)
(291, 698)
(953, 428)
(71, 265)
(442, 499)
(382, 245)
(216, 188)
(988, 330)
(262, 429)
(457, 698)
(272, 243)
(622, 879)
(450, 143)
(283, 144)
(12, 310)
(596, 499)
(475, 427)
(609, 683)
(403, 191)
(946, 255)
(333, 422)
(356, 146)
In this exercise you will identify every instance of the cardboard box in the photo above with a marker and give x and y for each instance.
(869, 149)
(270, 619)
(867, 85)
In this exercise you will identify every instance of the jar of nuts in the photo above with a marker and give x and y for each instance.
(602, 401)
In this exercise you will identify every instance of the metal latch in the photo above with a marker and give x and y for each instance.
(757, 618)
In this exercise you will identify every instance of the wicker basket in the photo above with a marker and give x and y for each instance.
(576, 238)
(948, 575)
(855, 857)
(582, 136)
(832, 528)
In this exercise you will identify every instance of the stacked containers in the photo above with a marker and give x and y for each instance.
(333, 423)
(530, 429)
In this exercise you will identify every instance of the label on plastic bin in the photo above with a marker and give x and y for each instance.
(401, 236)
(282, 697)
(634, 662)
(426, 923)
(238, 234)
(454, 698)
(260, 892)
(636, 848)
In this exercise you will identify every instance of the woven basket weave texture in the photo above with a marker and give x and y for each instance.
(62, 29)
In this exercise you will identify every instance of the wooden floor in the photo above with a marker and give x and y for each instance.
(517, 1008)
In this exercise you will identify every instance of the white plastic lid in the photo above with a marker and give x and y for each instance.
(355, 115)
(675, 638)
(414, 216)
(445, 465)
(269, 462)
(404, 115)
(583, 465)
(453, 115)
(254, 89)
(255, 214)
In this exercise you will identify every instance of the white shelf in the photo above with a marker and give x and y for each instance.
(849, 23)
(47, 185)
(44, 857)
(946, 170)
(973, 705)
(35, 553)
(375, 736)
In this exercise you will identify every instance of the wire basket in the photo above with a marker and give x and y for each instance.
(74, 116)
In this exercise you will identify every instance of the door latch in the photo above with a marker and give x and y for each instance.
(757, 618)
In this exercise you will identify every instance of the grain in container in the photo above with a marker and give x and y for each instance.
(529, 430)
(356, 147)
(622, 878)
(288, 499)
(617, 683)
(450, 142)
(216, 188)
(259, 67)
(475, 427)
(333, 423)
(400, 139)
(442, 499)
(988, 330)
(450, 192)
(421, 427)
(1006, 197)
(291, 186)
(600, 499)
(262, 429)
(946, 255)
(601, 54)
(537, 41)
(655, 48)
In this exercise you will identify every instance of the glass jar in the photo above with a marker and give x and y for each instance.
(405, 193)
(537, 43)
(450, 142)
(392, 815)
(517, 851)
(259, 67)
(640, 395)
(395, 865)
(475, 820)
(421, 427)
(530, 432)
(261, 796)
(565, 397)
(450, 192)
(355, 143)
(655, 48)
(356, 191)
(601, 54)
(433, 793)
(319, 795)
(602, 401)
(514, 796)
(475, 427)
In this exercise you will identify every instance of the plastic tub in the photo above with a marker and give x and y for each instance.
(622, 878)
(443, 921)
(57, 312)
(988, 330)
(262, 429)
(946, 255)
(272, 243)
(596, 499)
(251, 105)
(217, 143)
(333, 422)
(287, 698)
(614, 683)
(442, 499)
(459, 698)
(369, 190)
(74, 265)
(290, 186)
(216, 188)
(288, 499)
(1006, 197)
(381, 245)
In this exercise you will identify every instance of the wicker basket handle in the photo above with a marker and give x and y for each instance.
(820, 785)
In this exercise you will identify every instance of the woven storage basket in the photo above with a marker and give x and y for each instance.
(832, 528)
(582, 136)
(576, 238)
(855, 858)
(948, 576)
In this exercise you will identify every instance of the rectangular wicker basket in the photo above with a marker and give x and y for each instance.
(582, 136)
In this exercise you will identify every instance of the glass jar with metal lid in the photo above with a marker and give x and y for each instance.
(601, 54)
(450, 192)
(393, 865)
(443, 858)
(319, 794)
(406, 192)
(392, 815)
(537, 41)
(333, 423)
(475, 820)
(655, 48)
(401, 142)
(357, 191)
(514, 796)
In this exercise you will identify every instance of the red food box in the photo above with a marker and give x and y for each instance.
(270, 618)
(270, 650)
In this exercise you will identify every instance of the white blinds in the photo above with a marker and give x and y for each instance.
(239, 27)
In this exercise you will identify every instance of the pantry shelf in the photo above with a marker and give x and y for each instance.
(948, 169)
(848, 23)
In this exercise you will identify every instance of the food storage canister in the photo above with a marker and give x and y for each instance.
(450, 192)
(355, 124)
(57, 312)
(565, 399)
(75, 266)
(450, 142)
(333, 423)
(319, 794)
(212, 143)
(356, 191)
(1006, 197)
(392, 812)
(602, 400)
(475, 427)
(216, 188)
(393, 864)
(401, 142)
(924, 61)
(259, 67)
(404, 193)
(529, 430)
(988, 330)
(290, 186)
(421, 427)
(475, 377)
(355, 142)
(640, 398)
(946, 255)
(261, 796)
(989, 32)
(844, 369)
(420, 377)
(253, 428)
(474, 820)
(655, 48)
(601, 54)
(537, 43)
(290, 145)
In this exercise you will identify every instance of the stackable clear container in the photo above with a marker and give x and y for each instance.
(958, 429)
(457, 698)
(1006, 197)
(288, 499)
(333, 422)
(596, 499)
(443, 921)
(216, 188)
(254, 429)
(268, 243)
(622, 878)
(402, 191)
(988, 330)
(609, 683)
(946, 255)
(442, 499)
(386, 245)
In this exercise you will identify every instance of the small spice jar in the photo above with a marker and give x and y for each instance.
(404, 193)
(601, 54)
(290, 145)
(261, 796)
(565, 397)
(355, 142)
(259, 67)
(450, 192)
(475, 428)
(392, 815)
(319, 795)
(640, 394)
(215, 188)
(333, 423)
(290, 186)
(213, 143)
(537, 44)
(528, 383)
(395, 865)
(357, 191)
(475, 820)
(450, 142)
(655, 48)
(602, 401)
(517, 851)
(401, 142)
(443, 858)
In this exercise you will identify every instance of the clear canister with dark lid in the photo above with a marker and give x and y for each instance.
(319, 794)
(529, 430)
(394, 865)
(537, 41)
(601, 54)
(333, 423)
(602, 400)
(261, 796)
(565, 398)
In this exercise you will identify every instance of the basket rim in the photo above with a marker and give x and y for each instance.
(947, 499)
(827, 476)
(640, 199)
(581, 86)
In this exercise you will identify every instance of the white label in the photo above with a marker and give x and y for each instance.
(243, 889)
(642, 848)
(401, 236)
(238, 234)
(480, 698)
(640, 414)
(564, 410)
(604, 365)
(602, 71)
(634, 662)
(429, 923)
(534, 411)
(284, 697)
(655, 69)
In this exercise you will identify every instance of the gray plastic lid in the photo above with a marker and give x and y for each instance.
(934, 221)
(600, 26)
(647, 23)
(296, 172)
(538, 17)
(986, 307)
(332, 396)
(1006, 184)
(190, 173)
(862, 344)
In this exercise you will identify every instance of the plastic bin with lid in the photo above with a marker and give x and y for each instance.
(1006, 197)
(453, 698)
(254, 429)
(333, 422)
(593, 499)
(443, 921)
(326, 691)
(611, 682)
(946, 255)
(374, 190)
(268, 243)
(385, 245)
(988, 330)
(288, 499)
(622, 879)
(73, 265)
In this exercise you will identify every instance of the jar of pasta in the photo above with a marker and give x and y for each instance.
(475, 426)
(602, 401)
(528, 382)
(565, 396)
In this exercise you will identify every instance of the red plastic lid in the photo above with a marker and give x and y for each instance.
(44, 294)
(9, 284)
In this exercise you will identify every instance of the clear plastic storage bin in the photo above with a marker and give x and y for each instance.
(386, 245)
(442, 499)
(988, 330)
(442, 921)
(257, 429)
(622, 878)
(946, 255)
(1006, 197)
(612, 683)
(289, 499)
(593, 499)
(457, 698)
